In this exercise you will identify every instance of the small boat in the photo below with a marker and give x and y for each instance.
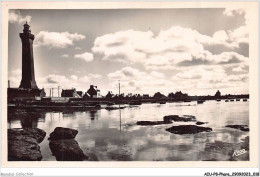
(200, 101)
(245, 100)
(237, 99)
(226, 100)
(218, 100)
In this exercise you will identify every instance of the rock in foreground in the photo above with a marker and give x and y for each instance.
(188, 129)
(239, 127)
(67, 150)
(63, 133)
(176, 118)
(23, 144)
(63, 145)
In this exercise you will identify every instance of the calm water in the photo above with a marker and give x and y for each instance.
(103, 135)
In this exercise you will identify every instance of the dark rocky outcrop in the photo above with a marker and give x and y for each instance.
(63, 145)
(152, 122)
(188, 129)
(67, 150)
(176, 118)
(200, 123)
(23, 144)
(239, 127)
(63, 133)
(169, 119)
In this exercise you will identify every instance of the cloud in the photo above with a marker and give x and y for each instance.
(243, 67)
(135, 81)
(16, 17)
(15, 77)
(55, 79)
(176, 46)
(157, 74)
(77, 48)
(94, 76)
(202, 73)
(57, 39)
(241, 34)
(233, 11)
(197, 79)
(74, 78)
(88, 57)
(65, 56)
(209, 77)
(66, 82)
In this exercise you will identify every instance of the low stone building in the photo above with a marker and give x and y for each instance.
(93, 92)
(69, 93)
(20, 94)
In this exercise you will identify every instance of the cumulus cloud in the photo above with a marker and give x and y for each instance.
(202, 73)
(157, 74)
(57, 39)
(65, 56)
(77, 48)
(74, 78)
(135, 81)
(241, 34)
(208, 77)
(243, 67)
(16, 17)
(176, 46)
(88, 57)
(232, 11)
(15, 77)
(94, 76)
(198, 79)
(66, 82)
(55, 79)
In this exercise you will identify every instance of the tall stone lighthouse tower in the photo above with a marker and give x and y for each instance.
(28, 77)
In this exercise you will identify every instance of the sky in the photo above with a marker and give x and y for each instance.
(197, 50)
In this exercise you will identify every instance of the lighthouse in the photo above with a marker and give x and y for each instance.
(28, 89)
(28, 76)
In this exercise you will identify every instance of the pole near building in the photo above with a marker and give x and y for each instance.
(58, 91)
(51, 92)
(119, 88)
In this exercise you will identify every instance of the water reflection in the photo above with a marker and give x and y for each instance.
(113, 135)
(93, 114)
(25, 119)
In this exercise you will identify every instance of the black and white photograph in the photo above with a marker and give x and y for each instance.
(129, 84)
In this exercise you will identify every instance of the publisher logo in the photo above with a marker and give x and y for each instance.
(239, 152)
